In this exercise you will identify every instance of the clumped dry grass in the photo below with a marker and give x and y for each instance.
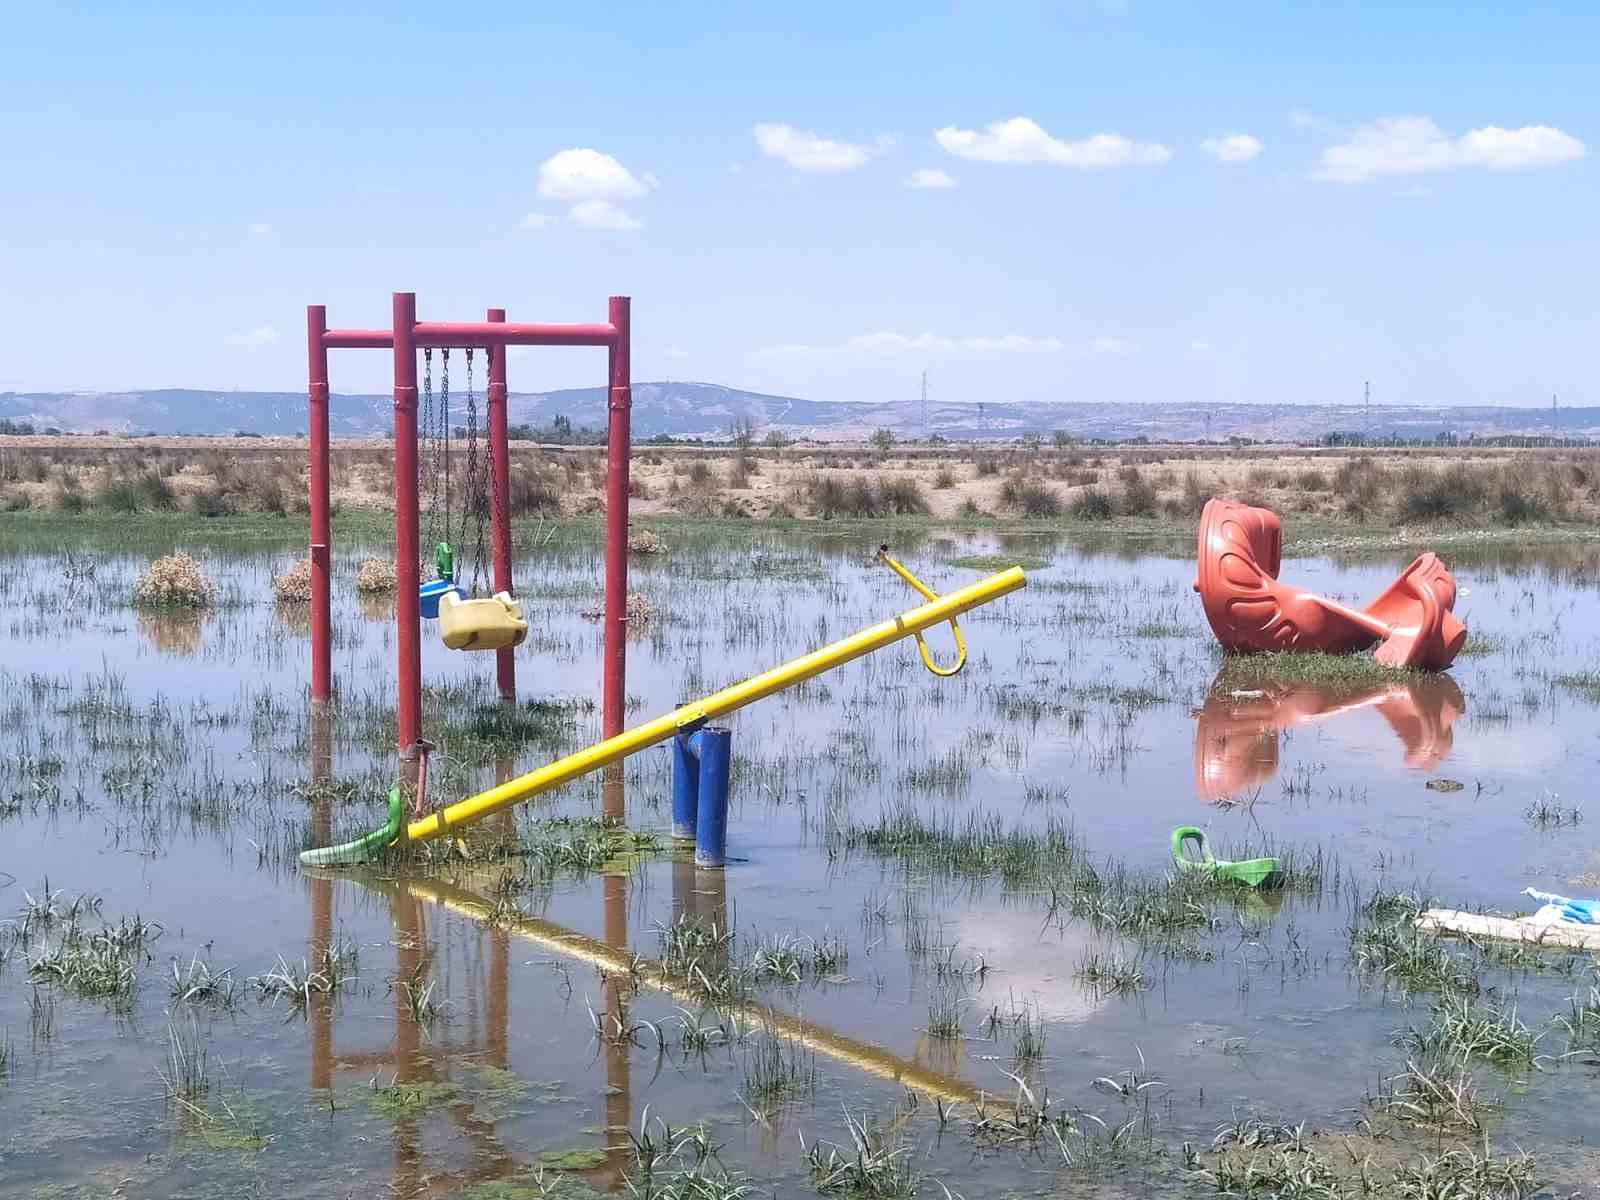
(375, 577)
(294, 585)
(174, 581)
(1029, 498)
(829, 496)
(640, 610)
(646, 541)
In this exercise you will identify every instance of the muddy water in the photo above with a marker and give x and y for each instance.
(166, 764)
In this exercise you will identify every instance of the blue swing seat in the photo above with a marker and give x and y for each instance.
(429, 594)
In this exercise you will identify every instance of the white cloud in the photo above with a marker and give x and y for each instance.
(1233, 147)
(259, 228)
(584, 174)
(603, 214)
(1301, 119)
(535, 220)
(1411, 145)
(889, 342)
(594, 181)
(1023, 140)
(930, 177)
(807, 151)
(1110, 345)
(262, 335)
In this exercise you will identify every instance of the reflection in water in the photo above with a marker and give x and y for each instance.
(1236, 731)
(295, 616)
(177, 632)
(376, 606)
(413, 1057)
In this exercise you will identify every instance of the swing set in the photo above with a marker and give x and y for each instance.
(476, 611)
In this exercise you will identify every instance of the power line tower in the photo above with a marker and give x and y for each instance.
(925, 428)
(1554, 422)
(1366, 401)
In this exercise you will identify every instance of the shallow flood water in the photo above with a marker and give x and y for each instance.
(169, 767)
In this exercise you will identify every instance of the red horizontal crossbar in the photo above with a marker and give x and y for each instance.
(475, 333)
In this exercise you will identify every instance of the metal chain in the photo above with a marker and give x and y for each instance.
(444, 439)
(478, 493)
(428, 460)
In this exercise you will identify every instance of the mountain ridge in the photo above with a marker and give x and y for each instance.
(708, 410)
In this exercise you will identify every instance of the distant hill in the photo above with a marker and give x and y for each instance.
(707, 410)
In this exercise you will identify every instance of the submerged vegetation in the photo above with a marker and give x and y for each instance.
(950, 918)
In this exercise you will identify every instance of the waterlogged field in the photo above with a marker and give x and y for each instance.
(949, 955)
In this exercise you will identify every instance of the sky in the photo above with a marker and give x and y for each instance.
(1080, 200)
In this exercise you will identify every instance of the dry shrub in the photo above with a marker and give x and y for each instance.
(1138, 496)
(174, 581)
(1428, 495)
(1033, 499)
(1357, 484)
(294, 585)
(375, 577)
(902, 496)
(946, 478)
(645, 541)
(640, 609)
(1092, 504)
(830, 497)
(533, 491)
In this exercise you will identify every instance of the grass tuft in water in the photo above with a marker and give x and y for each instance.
(200, 985)
(297, 983)
(875, 1166)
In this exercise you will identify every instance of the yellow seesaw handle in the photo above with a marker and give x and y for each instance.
(928, 594)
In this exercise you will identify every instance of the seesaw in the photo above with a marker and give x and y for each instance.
(693, 715)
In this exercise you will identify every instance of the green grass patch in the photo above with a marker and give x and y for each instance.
(1585, 683)
(577, 1158)
(1248, 670)
(1000, 562)
(401, 1100)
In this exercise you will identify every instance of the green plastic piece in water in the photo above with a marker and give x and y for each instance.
(444, 561)
(1252, 872)
(348, 854)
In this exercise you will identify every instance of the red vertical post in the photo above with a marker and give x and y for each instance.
(320, 554)
(505, 664)
(615, 651)
(407, 569)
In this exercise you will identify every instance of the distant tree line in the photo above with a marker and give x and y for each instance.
(560, 432)
(16, 428)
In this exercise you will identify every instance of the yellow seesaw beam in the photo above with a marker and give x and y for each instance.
(719, 704)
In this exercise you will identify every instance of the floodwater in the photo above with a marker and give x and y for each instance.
(168, 766)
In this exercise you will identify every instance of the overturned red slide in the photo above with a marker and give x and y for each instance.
(1240, 551)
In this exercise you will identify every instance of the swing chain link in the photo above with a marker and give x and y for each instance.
(444, 437)
(477, 490)
(428, 460)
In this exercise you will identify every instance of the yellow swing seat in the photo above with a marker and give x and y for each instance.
(488, 624)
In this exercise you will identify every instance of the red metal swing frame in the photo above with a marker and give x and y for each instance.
(493, 335)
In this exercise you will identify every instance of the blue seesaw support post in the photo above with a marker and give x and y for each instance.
(701, 765)
(711, 819)
(685, 786)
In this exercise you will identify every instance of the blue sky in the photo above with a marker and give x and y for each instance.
(1132, 201)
